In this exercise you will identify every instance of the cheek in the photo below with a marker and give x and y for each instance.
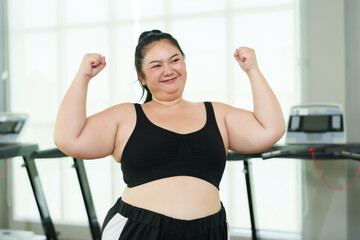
(181, 68)
(151, 75)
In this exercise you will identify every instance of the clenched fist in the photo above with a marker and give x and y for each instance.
(91, 65)
(246, 58)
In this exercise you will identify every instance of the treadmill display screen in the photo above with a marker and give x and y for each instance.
(8, 127)
(316, 123)
(319, 123)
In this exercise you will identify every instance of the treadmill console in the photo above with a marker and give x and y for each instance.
(11, 125)
(316, 124)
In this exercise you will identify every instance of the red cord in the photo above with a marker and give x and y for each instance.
(4, 169)
(324, 180)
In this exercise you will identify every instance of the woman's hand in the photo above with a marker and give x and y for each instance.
(91, 65)
(246, 58)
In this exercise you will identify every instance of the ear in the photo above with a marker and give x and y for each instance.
(141, 78)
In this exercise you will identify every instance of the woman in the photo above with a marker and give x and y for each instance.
(172, 151)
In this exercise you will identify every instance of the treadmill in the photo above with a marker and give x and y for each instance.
(11, 125)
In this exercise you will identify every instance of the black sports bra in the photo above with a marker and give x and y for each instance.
(153, 153)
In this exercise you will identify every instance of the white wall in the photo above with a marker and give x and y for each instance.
(328, 33)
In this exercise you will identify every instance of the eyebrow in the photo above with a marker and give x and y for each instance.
(156, 61)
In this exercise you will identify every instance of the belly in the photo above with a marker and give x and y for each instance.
(178, 197)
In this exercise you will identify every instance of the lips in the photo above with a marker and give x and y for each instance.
(171, 80)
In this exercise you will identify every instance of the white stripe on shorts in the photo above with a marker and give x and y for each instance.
(228, 229)
(114, 227)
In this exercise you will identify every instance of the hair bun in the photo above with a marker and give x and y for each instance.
(147, 33)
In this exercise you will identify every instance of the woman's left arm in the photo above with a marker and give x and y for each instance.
(258, 130)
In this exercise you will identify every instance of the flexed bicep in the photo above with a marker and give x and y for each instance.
(97, 139)
(246, 133)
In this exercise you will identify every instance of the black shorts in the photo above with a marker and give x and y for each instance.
(125, 222)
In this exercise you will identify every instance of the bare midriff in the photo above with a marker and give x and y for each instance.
(179, 197)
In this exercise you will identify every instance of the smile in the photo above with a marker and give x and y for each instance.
(171, 80)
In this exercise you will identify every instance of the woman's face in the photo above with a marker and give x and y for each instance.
(164, 71)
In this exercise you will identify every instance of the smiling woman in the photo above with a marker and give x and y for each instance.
(172, 151)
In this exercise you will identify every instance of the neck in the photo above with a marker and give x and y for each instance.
(174, 102)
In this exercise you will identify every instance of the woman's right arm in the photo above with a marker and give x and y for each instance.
(76, 134)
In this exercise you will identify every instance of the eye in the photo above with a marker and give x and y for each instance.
(156, 66)
(175, 60)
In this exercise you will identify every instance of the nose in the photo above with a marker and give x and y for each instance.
(168, 71)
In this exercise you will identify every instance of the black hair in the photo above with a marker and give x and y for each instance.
(145, 39)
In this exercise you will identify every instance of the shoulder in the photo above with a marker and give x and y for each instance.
(120, 108)
(221, 109)
(224, 108)
(117, 113)
(220, 105)
(228, 113)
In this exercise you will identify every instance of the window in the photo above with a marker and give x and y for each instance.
(49, 39)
